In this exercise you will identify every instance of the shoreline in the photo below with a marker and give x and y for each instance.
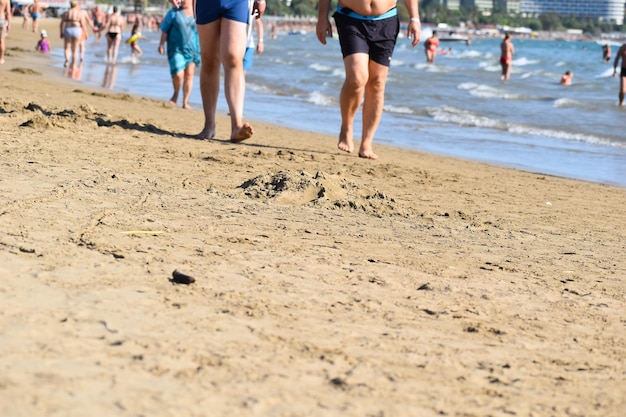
(570, 166)
(325, 284)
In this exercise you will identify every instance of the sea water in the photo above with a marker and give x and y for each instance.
(457, 106)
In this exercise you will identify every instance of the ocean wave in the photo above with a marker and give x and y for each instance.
(563, 103)
(320, 67)
(564, 135)
(522, 62)
(338, 72)
(449, 114)
(397, 109)
(606, 73)
(466, 54)
(320, 99)
(487, 91)
(465, 118)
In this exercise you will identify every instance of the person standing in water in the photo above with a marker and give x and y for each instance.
(621, 54)
(606, 52)
(430, 47)
(114, 27)
(506, 57)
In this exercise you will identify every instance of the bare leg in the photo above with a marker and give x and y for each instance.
(109, 49)
(209, 75)
(66, 51)
(188, 84)
(351, 96)
(177, 80)
(622, 90)
(372, 107)
(74, 43)
(81, 47)
(116, 47)
(232, 50)
(2, 47)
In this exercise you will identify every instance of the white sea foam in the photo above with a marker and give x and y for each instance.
(466, 118)
(563, 135)
(338, 72)
(487, 91)
(320, 99)
(606, 73)
(397, 109)
(460, 117)
(320, 67)
(522, 62)
(465, 54)
(563, 103)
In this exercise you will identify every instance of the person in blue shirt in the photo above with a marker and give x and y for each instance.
(179, 30)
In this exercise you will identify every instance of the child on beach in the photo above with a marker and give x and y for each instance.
(43, 45)
(135, 35)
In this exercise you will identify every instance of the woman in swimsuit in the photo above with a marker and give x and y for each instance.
(114, 27)
(72, 24)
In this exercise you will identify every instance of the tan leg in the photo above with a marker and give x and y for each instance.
(373, 107)
(232, 49)
(209, 75)
(351, 96)
(188, 84)
(177, 80)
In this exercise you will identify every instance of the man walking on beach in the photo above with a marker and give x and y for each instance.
(5, 25)
(367, 35)
(35, 11)
(506, 56)
(621, 54)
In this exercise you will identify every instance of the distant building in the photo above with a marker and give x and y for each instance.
(511, 6)
(607, 10)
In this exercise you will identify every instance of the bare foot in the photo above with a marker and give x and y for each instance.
(207, 133)
(1, 61)
(187, 107)
(368, 154)
(345, 145)
(244, 132)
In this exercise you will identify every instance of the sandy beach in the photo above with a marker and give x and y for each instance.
(325, 285)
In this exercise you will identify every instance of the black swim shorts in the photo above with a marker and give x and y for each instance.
(623, 74)
(377, 38)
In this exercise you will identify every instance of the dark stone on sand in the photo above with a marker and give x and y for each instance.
(180, 278)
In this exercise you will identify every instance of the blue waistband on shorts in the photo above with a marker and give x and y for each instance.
(348, 12)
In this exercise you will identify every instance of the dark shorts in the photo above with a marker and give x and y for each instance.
(377, 38)
(623, 72)
(210, 11)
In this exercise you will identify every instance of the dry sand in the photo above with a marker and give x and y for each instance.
(326, 285)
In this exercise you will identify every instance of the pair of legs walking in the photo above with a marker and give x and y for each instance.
(223, 43)
(365, 82)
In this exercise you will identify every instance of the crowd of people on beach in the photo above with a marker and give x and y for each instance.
(506, 56)
(221, 38)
